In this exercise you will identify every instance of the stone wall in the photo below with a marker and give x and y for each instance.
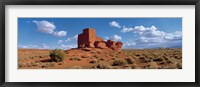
(88, 39)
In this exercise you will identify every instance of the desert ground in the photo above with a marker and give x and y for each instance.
(95, 58)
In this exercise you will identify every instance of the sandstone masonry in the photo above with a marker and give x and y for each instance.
(88, 39)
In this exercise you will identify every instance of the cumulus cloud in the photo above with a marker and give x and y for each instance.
(24, 47)
(152, 34)
(45, 46)
(72, 38)
(173, 36)
(114, 38)
(60, 33)
(45, 26)
(152, 37)
(49, 28)
(106, 38)
(29, 46)
(66, 47)
(114, 24)
(129, 43)
(60, 41)
(117, 38)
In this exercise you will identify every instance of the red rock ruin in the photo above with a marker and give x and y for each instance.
(88, 39)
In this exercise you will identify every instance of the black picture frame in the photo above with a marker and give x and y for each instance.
(98, 2)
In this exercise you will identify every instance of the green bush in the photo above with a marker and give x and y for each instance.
(57, 55)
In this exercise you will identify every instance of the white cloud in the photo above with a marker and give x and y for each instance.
(129, 43)
(173, 36)
(60, 33)
(24, 47)
(150, 39)
(106, 38)
(28, 46)
(147, 37)
(114, 38)
(66, 47)
(114, 24)
(49, 28)
(60, 41)
(72, 38)
(45, 26)
(127, 29)
(152, 34)
(45, 46)
(41, 46)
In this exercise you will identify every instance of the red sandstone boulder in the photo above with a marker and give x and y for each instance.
(100, 44)
(113, 45)
(119, 45)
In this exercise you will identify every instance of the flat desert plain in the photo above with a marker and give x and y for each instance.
(95, 58)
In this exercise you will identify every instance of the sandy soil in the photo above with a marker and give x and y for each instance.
(94, 58)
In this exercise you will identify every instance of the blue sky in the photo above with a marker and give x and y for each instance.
(136, 33)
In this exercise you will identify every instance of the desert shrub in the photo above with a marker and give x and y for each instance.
(102, 59)
(60, 63)
(57, 55)
(137, 54)
(119, 62)
(93, 61)
(179, 65)
(20, 65)
(52, 64)
(95, 56)
(158, 59)
(127, 67)
(152, 65)
(163, 62)
(29, 64)
(145, 60)
(35, 64)
(171, 60)
(130, 60)
(85, 56)
(103, 66)
(172, 66)
(134, 66)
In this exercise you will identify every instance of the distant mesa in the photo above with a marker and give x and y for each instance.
(88, 39)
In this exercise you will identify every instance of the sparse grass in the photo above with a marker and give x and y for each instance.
(94, 61)
(129, 60)
(134, 58)
(164, 58)
(103, 65)
(119, 62)
(152, 65)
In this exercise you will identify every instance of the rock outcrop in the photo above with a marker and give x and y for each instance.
(88, 39)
